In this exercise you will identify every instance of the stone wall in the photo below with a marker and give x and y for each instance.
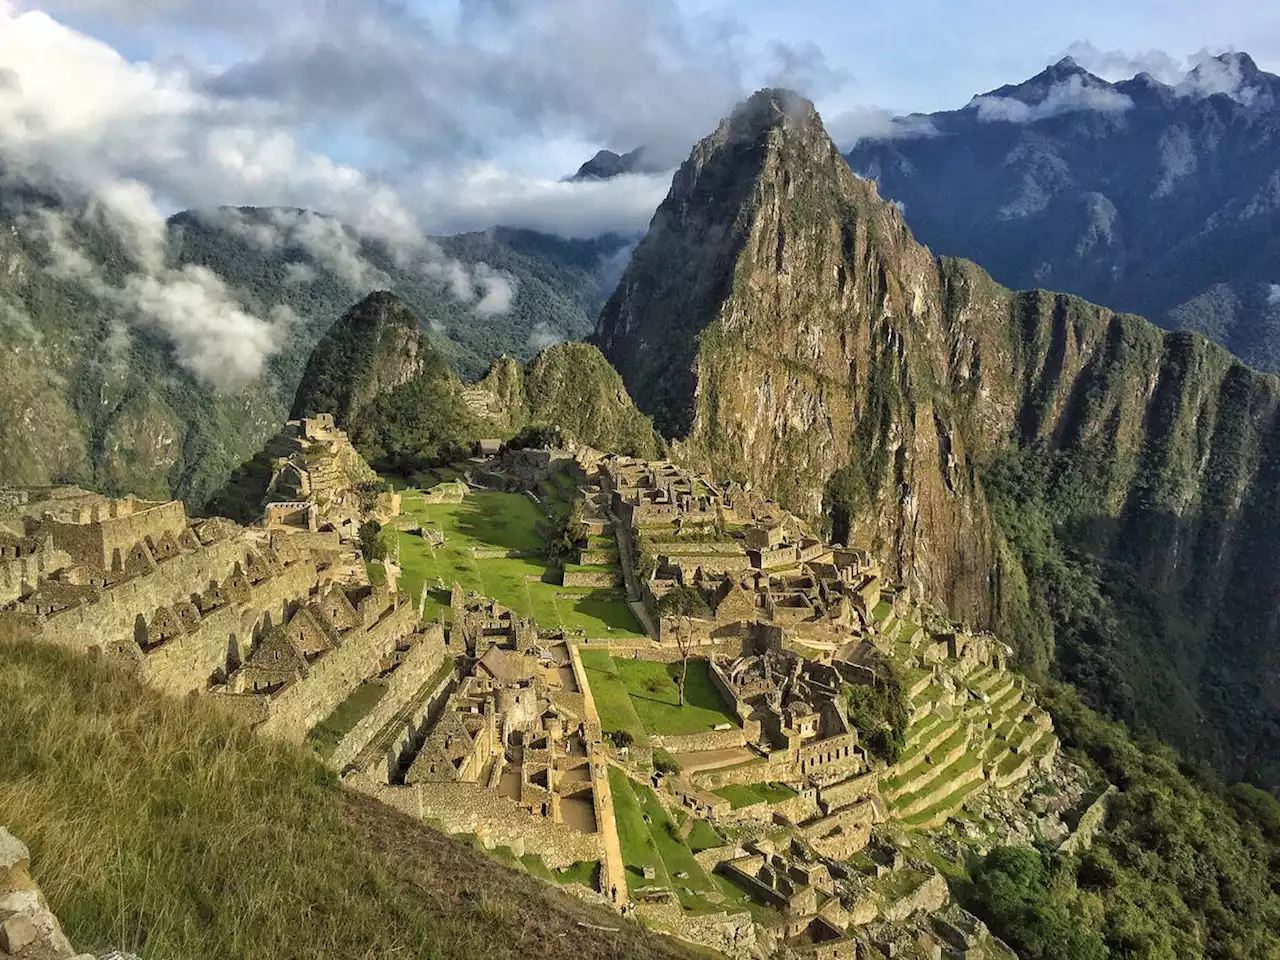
(22, 573)
(777, 767)
(694, 742)
(305, 702)
(186, 662)
(734, 935)
(470, 808)
(417, 667)
(113, 619)
(1091, 822)
(592, 578)
(105, 542)
(849, 791)
(28, 928)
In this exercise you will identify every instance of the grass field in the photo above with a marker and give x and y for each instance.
(158, 826)
(329, 732)
(655, 697)
(613, 703)
(491, 520)
(656, 844)
(744, 795)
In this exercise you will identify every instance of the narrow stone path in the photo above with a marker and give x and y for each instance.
(622, 534)
(613, 871)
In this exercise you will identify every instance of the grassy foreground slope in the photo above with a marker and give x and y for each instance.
(157, 826)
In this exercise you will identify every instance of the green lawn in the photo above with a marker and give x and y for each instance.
(745, 794)
(328, 733)
(638, 847)
(704, 837)
(491, 520)
(655, 697)
(613, 703)
(655, 844)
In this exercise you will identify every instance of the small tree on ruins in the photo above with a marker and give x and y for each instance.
(683, 604)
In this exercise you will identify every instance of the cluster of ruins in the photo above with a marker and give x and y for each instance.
(487, 725)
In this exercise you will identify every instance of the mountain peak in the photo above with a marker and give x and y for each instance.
(1037, 88)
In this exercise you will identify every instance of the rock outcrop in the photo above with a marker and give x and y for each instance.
(780, 322)
(28, 928)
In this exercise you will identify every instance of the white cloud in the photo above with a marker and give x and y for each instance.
(497, 291)
(1218, 74)
(1273, 295)
(544, 336)
(212, 334)
(1201, 74)
(1066, 96)
(875, 123)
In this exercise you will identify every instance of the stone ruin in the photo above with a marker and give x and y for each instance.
(28, 928)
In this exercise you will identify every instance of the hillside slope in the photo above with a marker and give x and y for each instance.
(380, 375)
(1144, 197)
(94, 391)
(159, 827)
(780, 321)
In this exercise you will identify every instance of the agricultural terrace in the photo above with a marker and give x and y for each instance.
(641, 696)
(494, 545)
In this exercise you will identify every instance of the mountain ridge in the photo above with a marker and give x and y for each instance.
(798, 336)
(1146, 197)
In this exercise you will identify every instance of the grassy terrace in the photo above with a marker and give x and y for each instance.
(613, 703)
(329, 732)
(158, 826)
(489, 520)
(656, 700)
(656, 844)
(744, 795)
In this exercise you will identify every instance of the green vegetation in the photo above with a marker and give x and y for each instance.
(158, 826)
(656, 844)
(492, 521)
(744, 795)
(613, 703)
(372, 544)
(682, 601)
(655, 696)
(1185, 866)
(844, 500)
(881, 711)
(327, 734)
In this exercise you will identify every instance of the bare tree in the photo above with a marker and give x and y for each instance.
(684, 641)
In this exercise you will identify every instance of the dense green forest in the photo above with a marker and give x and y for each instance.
(1184, 867)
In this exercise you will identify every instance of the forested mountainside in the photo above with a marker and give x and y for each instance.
(95, 390)
(1102, 492)
(388, 386)
(1160, 200)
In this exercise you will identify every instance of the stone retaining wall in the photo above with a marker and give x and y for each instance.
(470, 808)
(696, 742)
(1091, 822)
(597, 578)
(417, 667)
(849, 791)
(329, 680)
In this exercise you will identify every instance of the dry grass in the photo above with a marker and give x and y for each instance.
(157, 826)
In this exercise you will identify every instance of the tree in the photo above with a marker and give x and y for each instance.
(844, 499)
(371, 543)
(683, 603)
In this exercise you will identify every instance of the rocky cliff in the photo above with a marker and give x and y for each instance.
(780, 322)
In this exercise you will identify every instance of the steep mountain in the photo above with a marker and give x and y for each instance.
(606, 165)
(573, 387)
(1102, 492)
(94, 392)
(377, 371)
(1161, 200)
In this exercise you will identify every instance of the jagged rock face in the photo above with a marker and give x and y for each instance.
(781, 322)
(374, 348)
(768, 320)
